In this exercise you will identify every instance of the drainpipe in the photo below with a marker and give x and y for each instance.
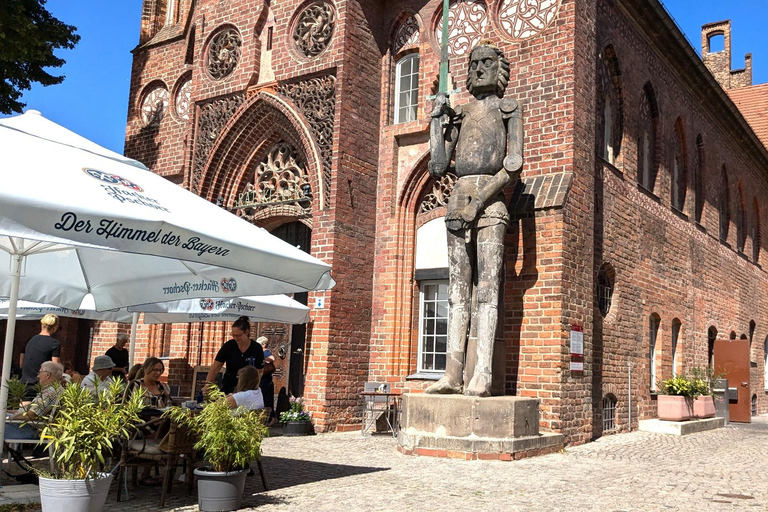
(629, 394)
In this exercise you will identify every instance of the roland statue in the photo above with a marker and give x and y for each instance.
(485, 138)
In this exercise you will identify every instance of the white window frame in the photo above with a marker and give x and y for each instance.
(765, 364)
(653, 331)
(676, 325)
(414, 105)
(422, 342)
(608, 130)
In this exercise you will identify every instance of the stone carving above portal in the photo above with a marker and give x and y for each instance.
(315, 99)
(224, 53)
(280, 178)
(313, 28)
(213, 117)
(407, 34)
(522, 19)
(441, 191)
(154, 105)
(467, 22)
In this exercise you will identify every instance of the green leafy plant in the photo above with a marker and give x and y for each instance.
(296, 412)
(230, 439)
(85, 426)
(693, 384)
(17, 391)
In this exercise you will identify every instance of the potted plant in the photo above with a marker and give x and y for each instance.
(230, 440)
(17, 391)
(686, 396)
(296, 421)
(81, 431)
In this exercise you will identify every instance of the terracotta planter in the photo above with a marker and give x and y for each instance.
(704, 407)
(674, 407)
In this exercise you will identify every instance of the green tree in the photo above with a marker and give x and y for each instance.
(28, 36)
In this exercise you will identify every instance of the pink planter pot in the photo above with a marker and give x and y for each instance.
(674, 408)
(704, 407)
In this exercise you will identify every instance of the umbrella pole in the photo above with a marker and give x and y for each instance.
(132, 351)
(10, 331)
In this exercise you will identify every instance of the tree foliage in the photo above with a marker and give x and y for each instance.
(28, 36)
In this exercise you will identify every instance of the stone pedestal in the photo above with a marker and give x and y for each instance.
(499, 427)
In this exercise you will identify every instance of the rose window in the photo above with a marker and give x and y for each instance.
(224, 53)
(467, 21)
(184, 100)
(314, 29)
(522, 19)
(154, 106)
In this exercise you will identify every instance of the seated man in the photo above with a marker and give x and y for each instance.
(50, 378)
(100, 376)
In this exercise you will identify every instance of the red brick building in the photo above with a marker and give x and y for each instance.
(637, 219)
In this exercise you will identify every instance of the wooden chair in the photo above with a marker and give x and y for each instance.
(177, 443)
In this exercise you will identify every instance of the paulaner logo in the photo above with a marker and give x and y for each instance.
(112, 179)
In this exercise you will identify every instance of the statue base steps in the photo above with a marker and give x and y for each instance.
(463, 427)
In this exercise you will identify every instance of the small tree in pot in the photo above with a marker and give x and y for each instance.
(230, 440)
(80, 433)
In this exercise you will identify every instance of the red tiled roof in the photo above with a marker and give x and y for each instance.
(753, 104)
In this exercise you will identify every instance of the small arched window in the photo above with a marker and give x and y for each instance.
(407, 88)
(676, 324)
(646, 144)
(609, 413)
(755, 231)
(653, 331)
(765, 364)
(679, 169)
(725, 206)
(741, 221)
(698, 180)
(609, 130)
(711, 337)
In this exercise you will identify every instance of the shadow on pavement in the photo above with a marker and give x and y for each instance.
(282, 472)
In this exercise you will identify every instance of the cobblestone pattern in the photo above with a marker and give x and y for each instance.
(716, 470)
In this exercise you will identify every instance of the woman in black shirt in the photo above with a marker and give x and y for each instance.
(236, 353)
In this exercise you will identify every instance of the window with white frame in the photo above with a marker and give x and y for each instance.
(407, 88)
(675, 336)
(653, 329)
(765, 364)
(608, 130)
(433, 325)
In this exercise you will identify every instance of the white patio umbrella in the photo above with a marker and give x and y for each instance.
(34, 310)
(76, 218)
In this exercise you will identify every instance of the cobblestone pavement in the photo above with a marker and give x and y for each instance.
(723, 469)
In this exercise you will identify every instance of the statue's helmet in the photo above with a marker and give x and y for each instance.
(486, 57)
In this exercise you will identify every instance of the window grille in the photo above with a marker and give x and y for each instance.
(604, 291)
(433, 325)
(609, 413)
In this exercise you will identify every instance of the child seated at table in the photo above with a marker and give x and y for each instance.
(247, 393)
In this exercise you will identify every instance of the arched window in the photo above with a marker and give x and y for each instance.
(610, 93)
(698, 180)
(765, 363)
(605, 282)
(711, 337)
(755, 231)
(653, 330)
(609, 413)
(675, 345)
(407, 88)
(679, 169)
(725, 205)
(646, 144)
(741, 220)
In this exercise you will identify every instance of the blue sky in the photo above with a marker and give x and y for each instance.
(93, 99)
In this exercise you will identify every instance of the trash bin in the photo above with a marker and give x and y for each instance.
(722, 398)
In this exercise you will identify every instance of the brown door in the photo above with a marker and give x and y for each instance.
(732, 361)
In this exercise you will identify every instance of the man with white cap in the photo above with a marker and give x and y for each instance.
(101, 374)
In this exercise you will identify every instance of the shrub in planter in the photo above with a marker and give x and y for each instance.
(230, 440)
(686, 396)
(80, 433)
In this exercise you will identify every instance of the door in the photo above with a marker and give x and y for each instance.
(297, 234)
(731, 359)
